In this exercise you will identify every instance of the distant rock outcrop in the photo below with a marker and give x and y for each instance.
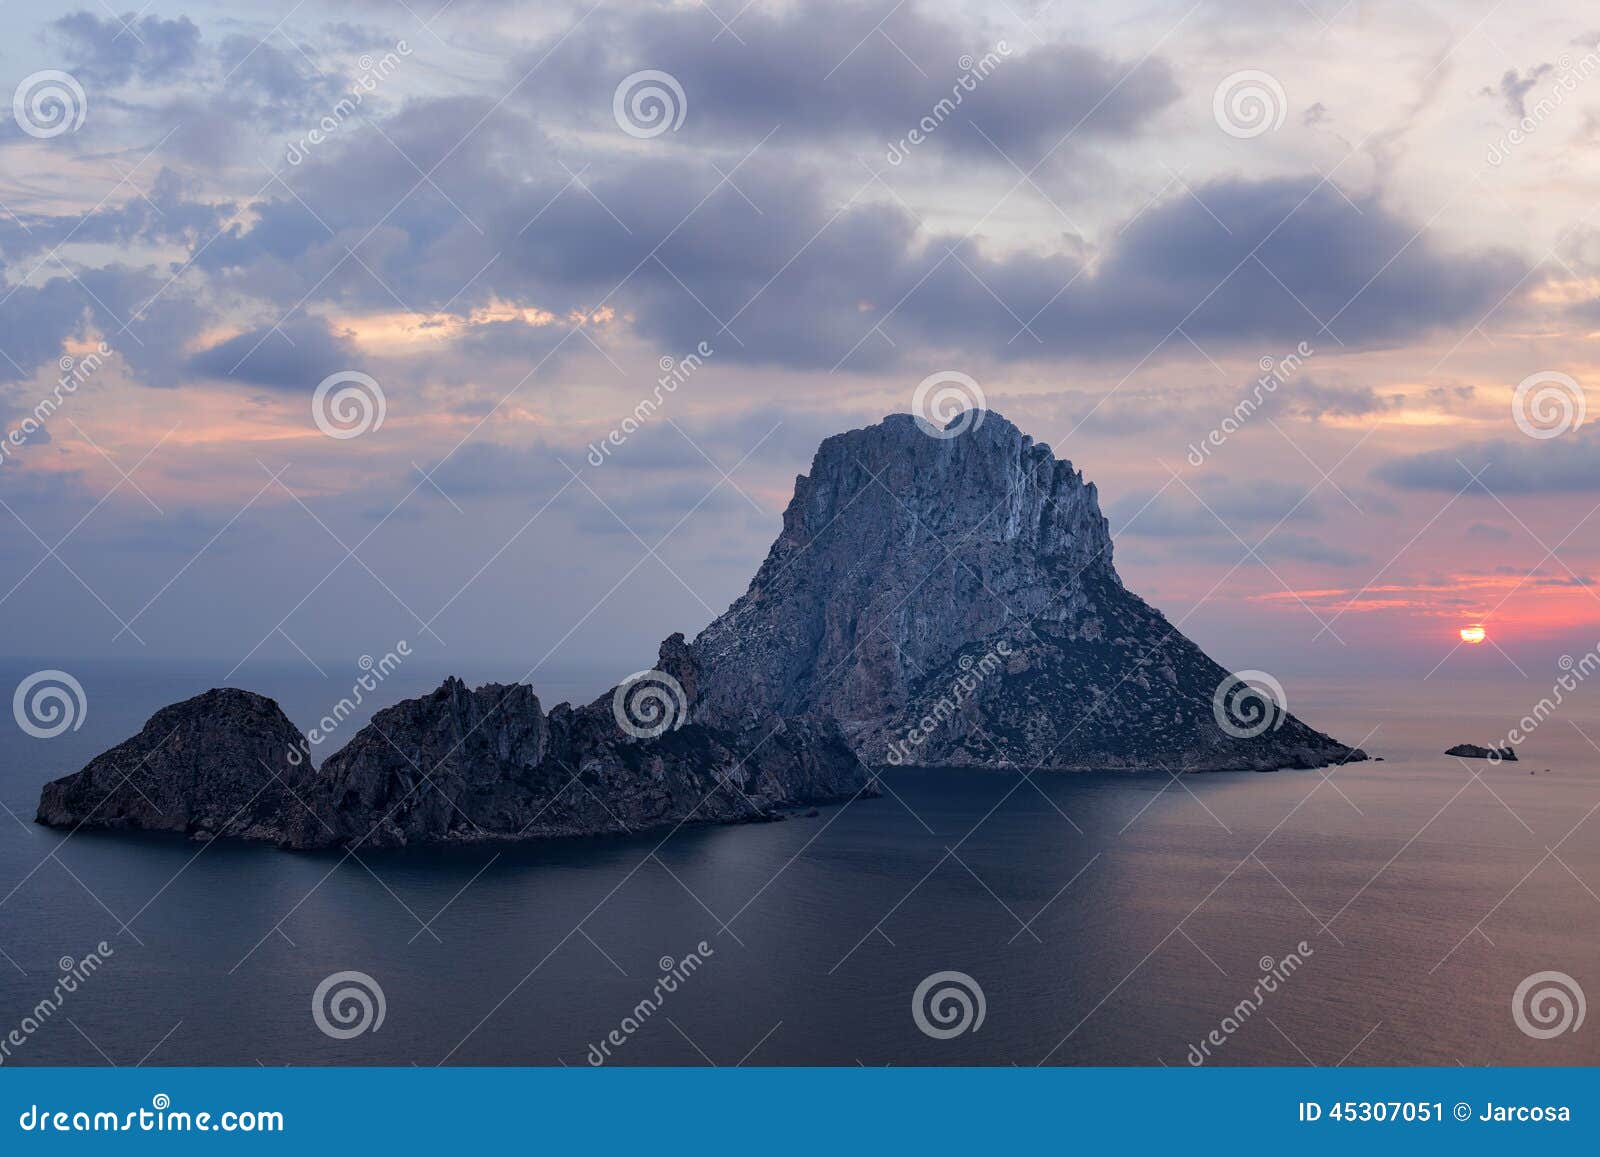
(220, 762)
(1473, 751)
(950, 599)
(455, 765)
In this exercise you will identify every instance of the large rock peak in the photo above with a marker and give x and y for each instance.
(903, 545)
(900, 484)
(957, 585)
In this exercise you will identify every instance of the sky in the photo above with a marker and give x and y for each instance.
(316, 319)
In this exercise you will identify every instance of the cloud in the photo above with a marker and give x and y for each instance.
(1566, 464)
(1514, 88)
(1313, 400)
(295, 355)
(833, 70)
(778, 272)
(1217, 508)
(1305, 548)
(115, 51)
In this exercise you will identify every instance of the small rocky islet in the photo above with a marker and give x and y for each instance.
(931, 600)
(1473, 751)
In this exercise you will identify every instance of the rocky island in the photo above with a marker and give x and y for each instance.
(952, 601)
(933, 599)
(1473, 751)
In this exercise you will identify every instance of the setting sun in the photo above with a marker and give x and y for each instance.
(1474, 634)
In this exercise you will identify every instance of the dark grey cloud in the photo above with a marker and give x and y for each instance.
(483, 469)
(1488, 533)
(136, 312)
(1314, 400)
(295, 355)
(834, 69)
(1308, 548)
(1514, 88)
(168, 213)
(798, 280)
(1569, 463)
(114, 51)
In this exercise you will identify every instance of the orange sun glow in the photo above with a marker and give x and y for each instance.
(1473, 634)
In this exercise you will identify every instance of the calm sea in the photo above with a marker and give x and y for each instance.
(1105, 919)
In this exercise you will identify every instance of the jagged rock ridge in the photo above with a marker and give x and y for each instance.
(951, 600)
(452, 766)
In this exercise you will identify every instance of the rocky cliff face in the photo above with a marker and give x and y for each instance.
(455, 765)
(952, 600)
(486, 764)
(220, 763)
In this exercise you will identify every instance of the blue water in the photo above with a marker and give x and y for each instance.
(1106, 919)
